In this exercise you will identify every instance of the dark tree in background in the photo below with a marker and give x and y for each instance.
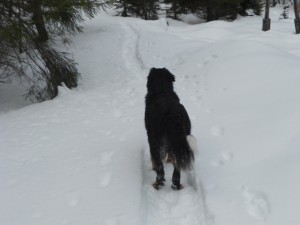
(229, 9)
(254, 5)
(216, 9)
(29, 30)
(145, 9)
(123, 7)
(182, 7)
(208, 9)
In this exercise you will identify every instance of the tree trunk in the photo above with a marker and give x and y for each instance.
(124, 13)
(297, 19)
(39, 21)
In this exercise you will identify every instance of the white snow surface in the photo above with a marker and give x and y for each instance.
(83, 158)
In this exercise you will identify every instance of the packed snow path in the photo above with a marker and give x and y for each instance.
(83, 158)
(167, 207)
(164, 207)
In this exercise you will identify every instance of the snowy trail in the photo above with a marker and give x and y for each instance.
(163, 207)
(131, 54)
(168, 207)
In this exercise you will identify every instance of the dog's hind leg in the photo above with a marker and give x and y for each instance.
(176, 179)
(157, 165)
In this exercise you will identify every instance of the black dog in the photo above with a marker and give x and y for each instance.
(168, 127)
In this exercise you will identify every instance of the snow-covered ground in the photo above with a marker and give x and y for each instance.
(83, 158)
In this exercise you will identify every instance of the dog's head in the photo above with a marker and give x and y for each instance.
(160, 80)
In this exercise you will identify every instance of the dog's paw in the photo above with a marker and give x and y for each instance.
(157, 185)
(177, 187)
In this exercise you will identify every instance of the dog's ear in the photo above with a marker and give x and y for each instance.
(152, 71)
(171, 77)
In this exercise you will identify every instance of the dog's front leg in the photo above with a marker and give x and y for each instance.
(160, 175)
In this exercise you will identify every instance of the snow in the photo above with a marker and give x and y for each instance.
(83, 158)
(189, 18)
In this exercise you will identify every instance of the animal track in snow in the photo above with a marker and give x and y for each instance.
(72, 199)
(108, 132)
(105, 179)
(196, 98)
(217, 130)
(112, 221)
(37, 215)
(106, 158)
(256, 204)
(208, 111)
(225, 156)
(217, 162)
(207, 60)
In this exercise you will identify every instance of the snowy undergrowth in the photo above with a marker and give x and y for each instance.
(83, 157)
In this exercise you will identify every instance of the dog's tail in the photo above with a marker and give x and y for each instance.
(182, 146)
(192, 141)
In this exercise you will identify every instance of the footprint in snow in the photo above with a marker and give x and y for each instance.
(73, 199)
(105, 179)
(256, 204)
(196, 98)
(112, 221)
(217, 162)
(106, 158)
(108, 132)
(208, 111)
(217, 131)
(208, 60)
(225, 156)
(37, 215)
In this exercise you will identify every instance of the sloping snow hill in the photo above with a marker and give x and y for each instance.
(83, 158)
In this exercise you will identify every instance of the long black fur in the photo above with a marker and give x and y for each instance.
(168, 125)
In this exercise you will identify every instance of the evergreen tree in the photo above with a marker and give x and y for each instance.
(123, 7)
(145, 9)
(255, 5)
(222, 9)
(214, 9)
(285, 10)
(27, 45)
(60, 16)
(182, 7)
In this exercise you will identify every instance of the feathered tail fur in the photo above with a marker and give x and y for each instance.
(181, 145)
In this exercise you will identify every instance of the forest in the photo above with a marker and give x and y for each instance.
(32, 31)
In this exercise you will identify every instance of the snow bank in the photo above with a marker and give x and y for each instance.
(190, 18)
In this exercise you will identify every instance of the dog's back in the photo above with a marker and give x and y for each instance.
(167, 122)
